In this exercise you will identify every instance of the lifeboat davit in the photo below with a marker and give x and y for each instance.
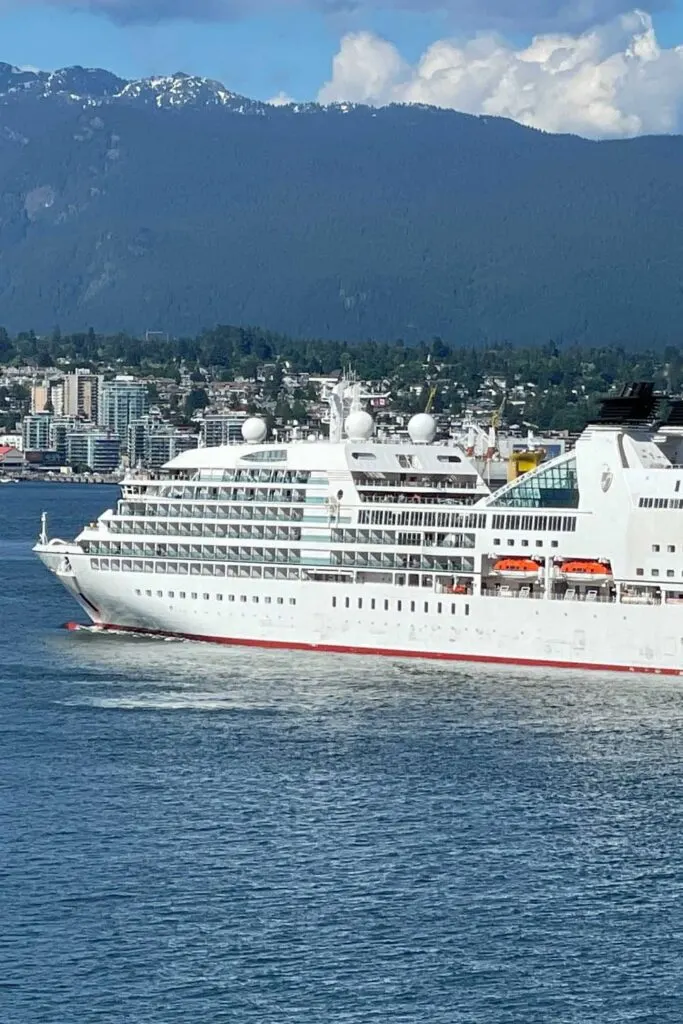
(580, 570)
(517, 568)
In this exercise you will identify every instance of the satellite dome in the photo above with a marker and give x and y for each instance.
(359, 426)
(422, 428)
(254, 430)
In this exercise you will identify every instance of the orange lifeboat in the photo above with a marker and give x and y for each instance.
(517, 568)
(580, 570)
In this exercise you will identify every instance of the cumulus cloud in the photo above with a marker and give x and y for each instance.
(280, 100)
(517, 15)
(610, 81)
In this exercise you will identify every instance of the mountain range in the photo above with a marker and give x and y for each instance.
(172, 204)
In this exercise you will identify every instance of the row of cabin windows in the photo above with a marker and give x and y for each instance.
(243, 571)
(195, 490)
(558, 524)
(670, 573)
(373, 604)
(187, 526)
(513, 543)
(670, 548)
(397, 560)
(660, 503)
(259, 476)
(435, 481)
(431, 497)
(445, 520)
(142, 547)
(194, 596)
(397, 538)
(194, 551)
(203, 510)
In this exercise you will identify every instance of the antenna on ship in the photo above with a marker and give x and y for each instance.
(336, 402)
(43, 528)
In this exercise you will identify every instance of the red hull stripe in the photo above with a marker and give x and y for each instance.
(389, 652)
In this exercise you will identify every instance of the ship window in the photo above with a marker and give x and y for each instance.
(243, 598)
(539, 543)
(334, 602)
(467, 609)
(268, 600)
(280, 600)
(160, 593)
(511, 542)
(553, 543)
(525, 543)
(138, 592)
(655, 547)
(551, 486)
(219, 597)
(678, 486)
(386, 606)
(193, 596)
(655, 572)
(292, 600)
(412, 606)
(639, 572)
(360, 602)
(426, 606)
(439, 608)
(181, 595)
(254, 600)
(171, 593)
(148, 593)
(231, 597)
(452, 608)
(671, 548)
(399, 606)
(347, 602)
(497, 542)
(669, 572)
(207, 597)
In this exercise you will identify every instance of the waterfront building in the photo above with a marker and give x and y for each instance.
(222, 428)
(152, 442)
(81, 395)
(47, 396)
(37, 432)
(122, 401)
(98, 450)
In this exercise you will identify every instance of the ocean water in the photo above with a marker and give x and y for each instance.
(195, 833)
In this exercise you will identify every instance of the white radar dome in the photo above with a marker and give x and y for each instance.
(359, 426)
(254, 430)
(422, 428)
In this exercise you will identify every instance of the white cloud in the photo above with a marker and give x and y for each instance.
(280, 100)
(613, 80)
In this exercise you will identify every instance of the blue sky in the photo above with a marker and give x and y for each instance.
(257, 56)
(289, 48)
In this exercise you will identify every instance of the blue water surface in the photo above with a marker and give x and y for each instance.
(192, 833)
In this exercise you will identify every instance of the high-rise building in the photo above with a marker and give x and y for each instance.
(222, 428)
(48, 396)
(37, 432)
(152, 443)
(122, 401)
(82, 395)
(99, 450)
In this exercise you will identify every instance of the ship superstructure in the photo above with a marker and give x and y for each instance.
(400, 548)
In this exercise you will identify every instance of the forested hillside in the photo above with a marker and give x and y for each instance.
(177, 206)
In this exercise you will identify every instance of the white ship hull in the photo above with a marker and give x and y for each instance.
(301, 615)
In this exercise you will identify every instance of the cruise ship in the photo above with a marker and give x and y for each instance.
(400, 548)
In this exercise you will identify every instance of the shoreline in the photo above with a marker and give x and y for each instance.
(103, 481)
